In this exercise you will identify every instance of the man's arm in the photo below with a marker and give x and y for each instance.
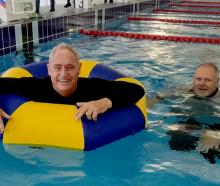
(7, 86)
(111, 94)
(123, 93)
(3, 114)
(13, 85)
(93, 108)
(19, 85)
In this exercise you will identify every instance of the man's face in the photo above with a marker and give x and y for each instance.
(205, 81)
(64, 69)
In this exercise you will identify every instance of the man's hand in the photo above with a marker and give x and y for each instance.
(210, 139)
(93, 108)
(3, 114)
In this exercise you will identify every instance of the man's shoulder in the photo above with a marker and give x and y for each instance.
(93, 79)
(217, 95)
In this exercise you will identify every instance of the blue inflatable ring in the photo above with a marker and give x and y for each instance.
(44, 124)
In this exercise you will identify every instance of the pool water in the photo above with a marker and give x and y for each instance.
(146, 158)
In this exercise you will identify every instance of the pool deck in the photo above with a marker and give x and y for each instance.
(60, 11)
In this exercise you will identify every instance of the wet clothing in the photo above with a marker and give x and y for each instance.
(41, 90)
(214, 95)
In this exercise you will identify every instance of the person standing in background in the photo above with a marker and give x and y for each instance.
(68, 4)
(52, 6)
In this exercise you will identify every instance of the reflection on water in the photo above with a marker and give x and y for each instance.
(43, 165)
(49, 156)
(176, 29)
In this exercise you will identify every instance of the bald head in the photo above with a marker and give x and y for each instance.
(206, 79)
(63, 46)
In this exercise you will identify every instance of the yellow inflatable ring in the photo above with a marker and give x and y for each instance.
(46, 124)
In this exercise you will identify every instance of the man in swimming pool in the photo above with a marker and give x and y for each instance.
(205, 86)
(206, 81)
(92, 96)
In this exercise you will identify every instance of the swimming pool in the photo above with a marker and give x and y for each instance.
(141, 159)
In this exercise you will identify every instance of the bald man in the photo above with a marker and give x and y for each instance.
(206, 81)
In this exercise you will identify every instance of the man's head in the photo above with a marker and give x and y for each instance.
(206, 80)
(64, 69)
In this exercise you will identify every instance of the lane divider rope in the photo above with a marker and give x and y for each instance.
(207, 40)
(201, 2)
(130, 18)
(184, 11)
(195, 6)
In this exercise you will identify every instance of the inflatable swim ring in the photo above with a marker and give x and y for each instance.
(46, 124)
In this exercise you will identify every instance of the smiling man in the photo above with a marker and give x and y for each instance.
(192, 134)
(64, 69)
(206, 80)
(64, 86)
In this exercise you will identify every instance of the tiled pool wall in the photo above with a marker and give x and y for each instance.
(24, 36)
